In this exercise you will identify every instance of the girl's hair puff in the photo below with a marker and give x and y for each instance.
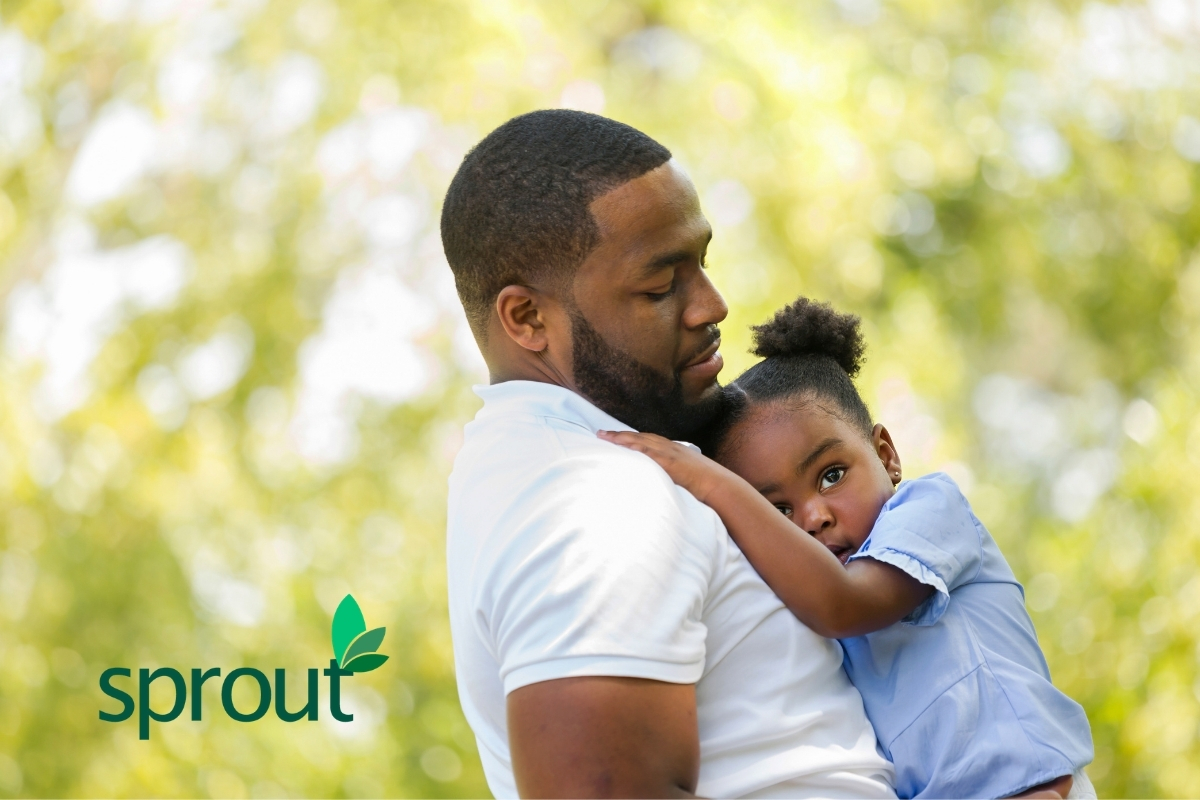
(809, 328)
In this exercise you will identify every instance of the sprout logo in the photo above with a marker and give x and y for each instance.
(355, 649)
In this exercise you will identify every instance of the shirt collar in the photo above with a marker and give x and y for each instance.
(543, 400)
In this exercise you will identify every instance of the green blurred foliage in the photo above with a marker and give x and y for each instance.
(234, 374)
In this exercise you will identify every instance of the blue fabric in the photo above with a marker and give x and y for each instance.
(959, 691)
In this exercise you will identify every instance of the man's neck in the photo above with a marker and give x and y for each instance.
(537, 368)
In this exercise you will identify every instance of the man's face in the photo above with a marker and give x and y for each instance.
(644, 317)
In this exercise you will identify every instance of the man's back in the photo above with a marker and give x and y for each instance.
(568, 556)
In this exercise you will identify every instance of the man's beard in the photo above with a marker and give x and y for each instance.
(636, 394)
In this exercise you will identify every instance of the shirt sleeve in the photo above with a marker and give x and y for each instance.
(927, 530)
(605, 575)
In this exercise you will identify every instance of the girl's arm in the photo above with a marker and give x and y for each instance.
(834, 601)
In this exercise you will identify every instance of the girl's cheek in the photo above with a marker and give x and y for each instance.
(859, 523)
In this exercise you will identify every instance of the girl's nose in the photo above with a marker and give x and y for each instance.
(817, 517)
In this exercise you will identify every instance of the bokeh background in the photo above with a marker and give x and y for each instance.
(234, 372)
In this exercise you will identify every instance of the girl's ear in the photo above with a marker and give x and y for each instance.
(881, 440)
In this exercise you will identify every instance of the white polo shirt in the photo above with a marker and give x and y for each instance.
(568, 556)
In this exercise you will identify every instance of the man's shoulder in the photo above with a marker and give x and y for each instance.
(611, 513)
(588, 471)
(556, 481)
(536, 450)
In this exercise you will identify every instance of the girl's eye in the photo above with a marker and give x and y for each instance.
(785, 510)
(832, 477)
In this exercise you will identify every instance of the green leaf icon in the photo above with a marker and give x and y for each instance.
(353, 645)
(366, 662)
(348, 623)
(366, 643)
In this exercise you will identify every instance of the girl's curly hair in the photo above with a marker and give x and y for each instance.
(808, 351)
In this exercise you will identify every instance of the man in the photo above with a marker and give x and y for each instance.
(609, 638)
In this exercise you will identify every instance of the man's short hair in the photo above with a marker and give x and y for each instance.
(517, 209)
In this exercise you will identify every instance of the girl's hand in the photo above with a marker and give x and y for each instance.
(688, 468)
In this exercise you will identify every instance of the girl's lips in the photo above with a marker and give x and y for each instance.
(841, 553)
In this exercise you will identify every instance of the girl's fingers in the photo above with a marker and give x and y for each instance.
(627, 438)
(633, 436)
(656, 447)
(640, 442)
(623, 438)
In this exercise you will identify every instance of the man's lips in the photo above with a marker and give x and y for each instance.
(708, 363)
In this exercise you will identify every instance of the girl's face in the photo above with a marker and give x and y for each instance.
(821, 472)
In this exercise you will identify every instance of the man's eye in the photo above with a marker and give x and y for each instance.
(785, 510)
(832, 477)
(657, 296)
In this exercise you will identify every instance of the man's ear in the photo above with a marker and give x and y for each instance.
(522, 315)
(886, 450)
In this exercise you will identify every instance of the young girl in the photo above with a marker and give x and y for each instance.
(931, 618)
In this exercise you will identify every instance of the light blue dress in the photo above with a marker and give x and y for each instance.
(959, 691)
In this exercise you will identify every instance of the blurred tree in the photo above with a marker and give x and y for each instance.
(234, 370)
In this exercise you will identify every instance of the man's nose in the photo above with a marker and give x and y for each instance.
(706, 306)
